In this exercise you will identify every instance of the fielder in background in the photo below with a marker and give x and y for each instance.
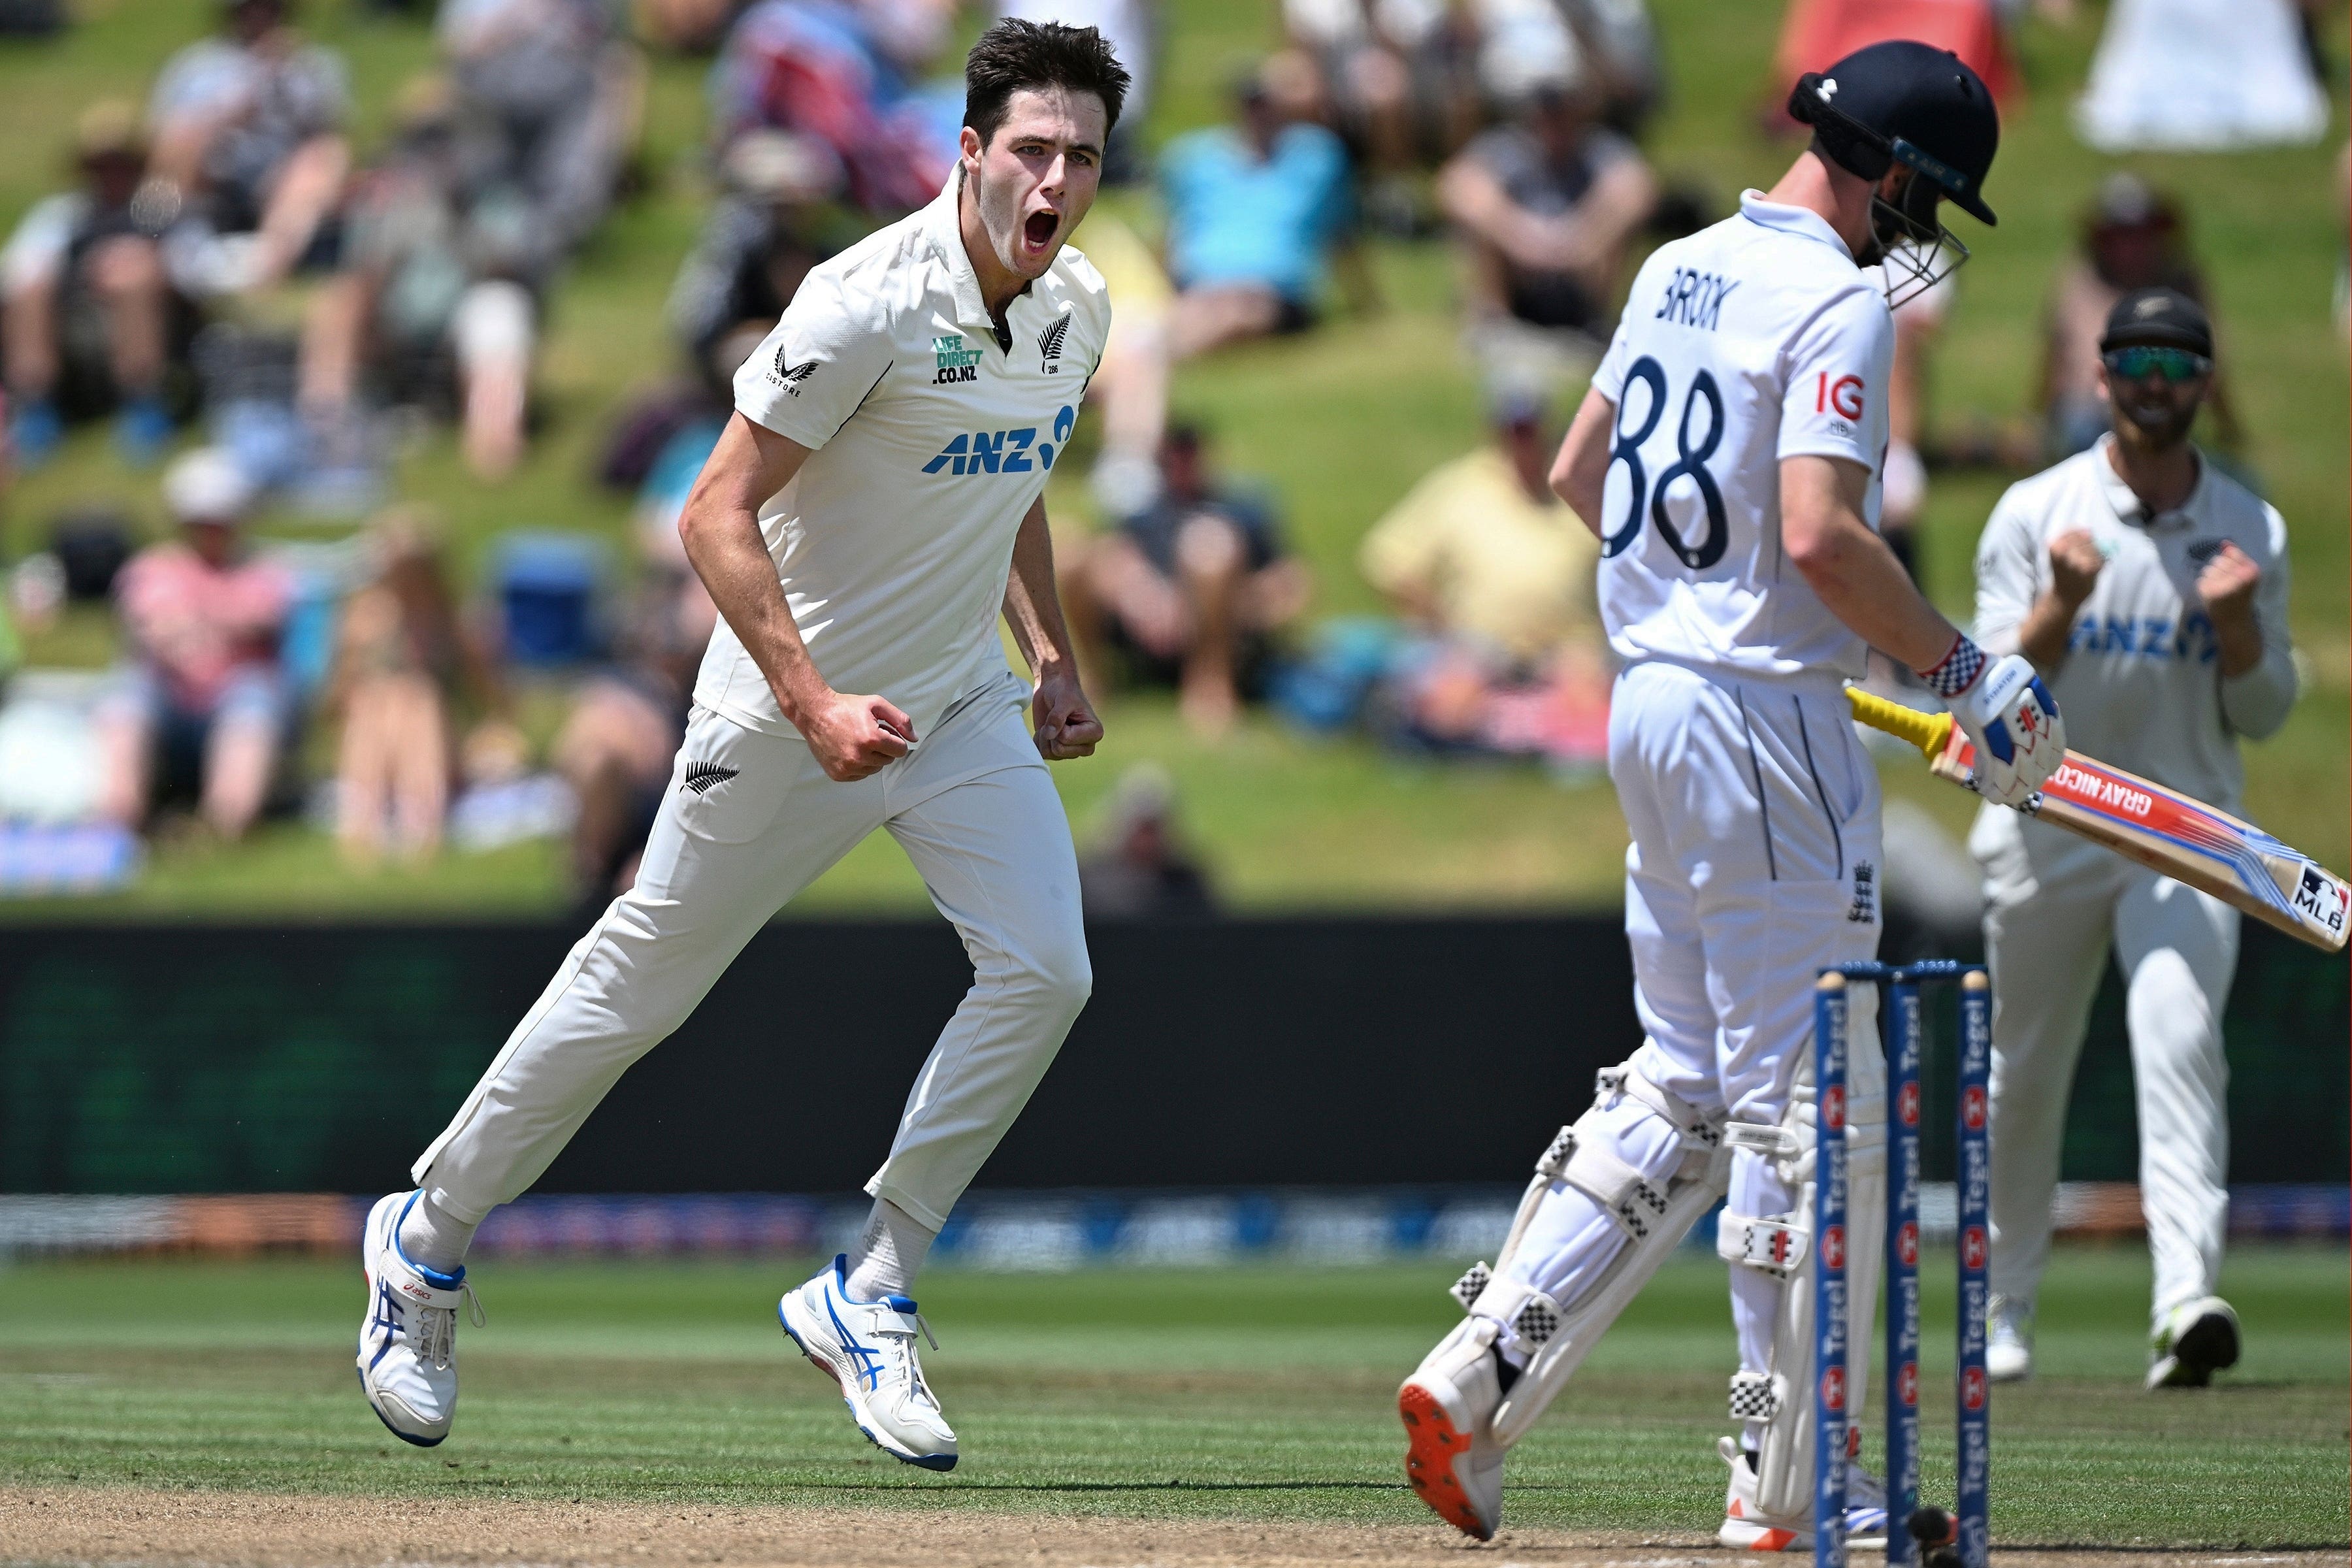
(2149, 589)
(1728, 457)
(873, 506)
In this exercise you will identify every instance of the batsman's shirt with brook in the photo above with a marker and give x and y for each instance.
(2142, 687)
(929, 438)
(1752, 340)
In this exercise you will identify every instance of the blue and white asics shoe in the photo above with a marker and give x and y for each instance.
(408, 1345)
(868, 1348)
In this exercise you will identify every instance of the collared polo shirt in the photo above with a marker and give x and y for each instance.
(1752, 340)
(2142, 688)
(929, 438)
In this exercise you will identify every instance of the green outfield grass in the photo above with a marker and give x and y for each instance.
(1338, 423)
(1249, 1393)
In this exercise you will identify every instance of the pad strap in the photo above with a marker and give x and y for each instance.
(1622, 1192)
(1527, 1312)
(1774, 1246)
(1555, 1158)
(1472, 1285)
(1699, 1129)
(1755, 1396)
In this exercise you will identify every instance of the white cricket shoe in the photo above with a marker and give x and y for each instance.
(1448, 1409)
(2009, 1340)
(2196, 1340)
(408, 1343)
(868, 1348)
(1747, 1528)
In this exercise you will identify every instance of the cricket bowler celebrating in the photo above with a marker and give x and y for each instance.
(1728, 457)
(2150, 591)
(872, 505)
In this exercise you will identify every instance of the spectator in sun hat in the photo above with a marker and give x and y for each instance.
(202, 693)
(88, 312)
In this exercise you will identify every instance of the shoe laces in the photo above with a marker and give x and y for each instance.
(436, 1334)
(900, 1340)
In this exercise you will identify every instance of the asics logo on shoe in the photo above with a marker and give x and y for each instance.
(869, 1360)
(704, 777)
(387, 1318)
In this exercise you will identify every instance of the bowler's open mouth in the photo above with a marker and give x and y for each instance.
(1038, 230)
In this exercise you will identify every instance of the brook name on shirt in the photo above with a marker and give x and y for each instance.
(1695, 298)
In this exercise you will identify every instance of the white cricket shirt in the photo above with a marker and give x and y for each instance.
(1755, 340)
(2142, 687)
(929, 438)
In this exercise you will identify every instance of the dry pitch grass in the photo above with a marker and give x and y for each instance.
(59, 1525)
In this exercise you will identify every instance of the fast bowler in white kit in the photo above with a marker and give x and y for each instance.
(1728, 457)
(2150, 589)
(870, 509)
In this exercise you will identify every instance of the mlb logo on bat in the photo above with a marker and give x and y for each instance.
(2323, 898)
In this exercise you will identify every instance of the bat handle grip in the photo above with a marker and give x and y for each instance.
(1928, 731)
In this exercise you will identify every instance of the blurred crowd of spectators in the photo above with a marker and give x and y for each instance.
(227, 269)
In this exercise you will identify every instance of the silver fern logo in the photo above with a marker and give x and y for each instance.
(704, 777)
(1049, 344)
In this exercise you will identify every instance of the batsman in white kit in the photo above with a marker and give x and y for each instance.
(2151, 591)
(1728, 456)
(871, 507)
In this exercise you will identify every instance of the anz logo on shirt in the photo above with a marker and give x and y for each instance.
(2146, 636)
(1004, 451)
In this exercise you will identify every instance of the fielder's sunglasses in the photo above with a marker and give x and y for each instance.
(2175, 366)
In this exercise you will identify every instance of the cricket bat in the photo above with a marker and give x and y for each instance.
(2162, 830)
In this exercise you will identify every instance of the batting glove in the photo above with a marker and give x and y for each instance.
(2010, 716)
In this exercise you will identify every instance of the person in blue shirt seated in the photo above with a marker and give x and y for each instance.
(1255, 214)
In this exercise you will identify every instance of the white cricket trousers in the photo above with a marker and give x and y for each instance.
(749, 821)
(2054, 904)
(1754, 866)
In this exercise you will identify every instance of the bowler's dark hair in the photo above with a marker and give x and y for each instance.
(1014, 56)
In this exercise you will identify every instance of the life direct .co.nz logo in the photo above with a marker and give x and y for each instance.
(1004, 451)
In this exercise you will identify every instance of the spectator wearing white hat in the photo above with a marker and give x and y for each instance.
(202, 690)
